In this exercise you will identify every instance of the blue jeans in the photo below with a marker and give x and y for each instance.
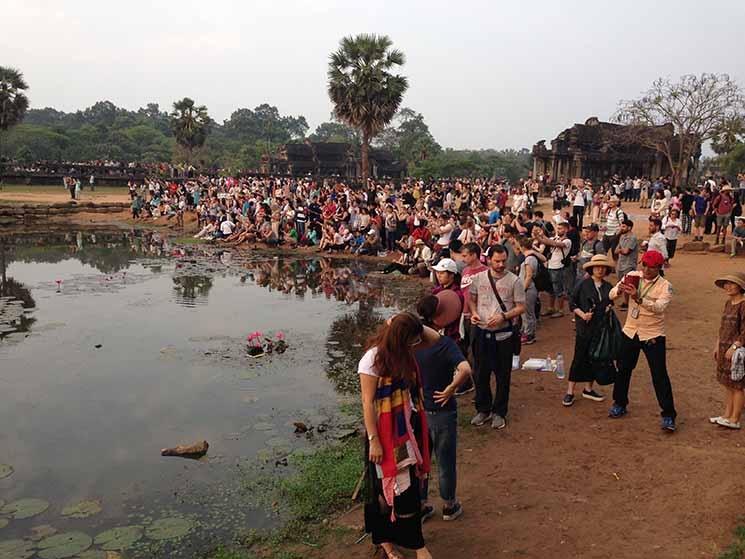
(443, 437)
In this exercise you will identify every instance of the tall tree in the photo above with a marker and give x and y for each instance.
(13, 100)
(365, 94)
(191, 125)
(675, 118)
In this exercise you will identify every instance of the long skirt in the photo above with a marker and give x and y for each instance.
(406, 530)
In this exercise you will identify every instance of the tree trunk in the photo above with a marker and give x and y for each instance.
(364, 150)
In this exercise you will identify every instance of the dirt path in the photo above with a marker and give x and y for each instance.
(52, 195)
(569, 482)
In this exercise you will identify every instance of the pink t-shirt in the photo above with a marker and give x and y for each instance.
(465, 283)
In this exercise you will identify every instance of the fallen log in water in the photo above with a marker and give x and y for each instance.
(196, 450)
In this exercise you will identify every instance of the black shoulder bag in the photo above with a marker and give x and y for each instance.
(516, 335)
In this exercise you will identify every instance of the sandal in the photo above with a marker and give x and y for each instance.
(715, 420)
(724, 422)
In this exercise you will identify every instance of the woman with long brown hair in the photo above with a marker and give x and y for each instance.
(397, 449)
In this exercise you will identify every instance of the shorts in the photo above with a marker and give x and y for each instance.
(699, 220)
(723, 220)
(557, 282)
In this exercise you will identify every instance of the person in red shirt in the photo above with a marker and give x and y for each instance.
(421, 231)
(723, 205)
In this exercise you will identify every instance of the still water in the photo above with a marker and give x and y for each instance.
(114, 345)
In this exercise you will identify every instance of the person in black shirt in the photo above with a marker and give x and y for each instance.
(687, 204)
(444, 369)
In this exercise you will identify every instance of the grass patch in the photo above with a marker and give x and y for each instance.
(324, 482)
(321, 484)
(736, 549)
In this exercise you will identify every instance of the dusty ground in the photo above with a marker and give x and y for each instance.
(567, 483)
(53, 194)
(570, 482)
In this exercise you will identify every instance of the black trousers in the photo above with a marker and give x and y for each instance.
(494, 357)
(579, 213)
(654, 351)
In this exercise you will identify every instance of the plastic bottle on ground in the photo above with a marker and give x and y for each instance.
(560, 374)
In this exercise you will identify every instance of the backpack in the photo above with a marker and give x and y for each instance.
(542, 279)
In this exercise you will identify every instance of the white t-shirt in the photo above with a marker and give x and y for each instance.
(226, 227)
(367, 367)
(558, 254)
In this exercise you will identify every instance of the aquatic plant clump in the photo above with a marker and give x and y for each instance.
(65, 545)
(24, 508)
(83, 509)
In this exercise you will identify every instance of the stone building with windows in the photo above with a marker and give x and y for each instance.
(326, 159)
(599, 150)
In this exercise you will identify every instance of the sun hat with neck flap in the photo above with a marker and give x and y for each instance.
(734, 277)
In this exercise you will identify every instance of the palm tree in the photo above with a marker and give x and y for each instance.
(366, 95)
(13, 100)
(190, 124)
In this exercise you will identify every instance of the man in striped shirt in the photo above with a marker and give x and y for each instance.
(612, 224)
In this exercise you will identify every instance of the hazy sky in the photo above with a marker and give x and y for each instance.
(484, 74)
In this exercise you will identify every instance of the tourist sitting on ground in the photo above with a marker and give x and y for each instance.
(421, 259)
(371, 245)
(738, 235)
(728, 350)
(207, 232)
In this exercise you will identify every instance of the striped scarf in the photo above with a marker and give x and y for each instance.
(401, 446)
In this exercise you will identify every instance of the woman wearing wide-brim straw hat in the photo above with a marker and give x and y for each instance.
(589, 303)
(731, 339)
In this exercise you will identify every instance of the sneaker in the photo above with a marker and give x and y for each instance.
(568, 400)
(592, 395)
(668, 424)
(527, 340)
(498, 422)
(451, 513)
(557, 314)
(428, 511)
(480, 418)
(724, 422)
(617, 411)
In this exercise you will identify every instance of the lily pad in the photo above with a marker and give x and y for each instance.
(24, 508)
(119, 538)
(64, 545)
(83, 509)
(42, 532)
(16, 549)
(264, 426)
(5, 470)
(169, 528)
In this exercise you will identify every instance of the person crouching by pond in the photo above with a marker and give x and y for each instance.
(728, 352)
(444, 369)
(590, 301)
(397, 448)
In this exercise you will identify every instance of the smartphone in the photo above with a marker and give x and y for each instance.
(633, 281)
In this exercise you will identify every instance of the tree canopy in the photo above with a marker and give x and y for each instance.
(696, 109)
(365, 93)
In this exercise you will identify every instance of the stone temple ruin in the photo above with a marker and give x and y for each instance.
(326, 159)
(599, 150)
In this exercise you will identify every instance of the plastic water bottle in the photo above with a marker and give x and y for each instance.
(560, 374)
